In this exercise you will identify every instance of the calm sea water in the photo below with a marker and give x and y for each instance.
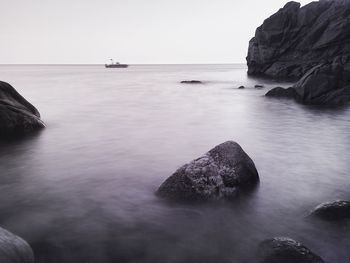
(83, 189)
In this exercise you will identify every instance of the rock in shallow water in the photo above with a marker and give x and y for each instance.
(286, 250)
(218, 174)
(191, 82)
(14, 249)
(325, 84)
(17, 115)
(293, 40)
(259, 86)
(332, 211)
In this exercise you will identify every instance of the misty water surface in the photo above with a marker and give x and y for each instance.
(82, 190)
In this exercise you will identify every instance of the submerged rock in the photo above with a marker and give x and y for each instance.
(218, 174)
(191, 82)
(324, 84)
(14, 249)
(17, 115)
(332, 211)
(258, 86)
(241, 87)
(295, 39)
(286, 250)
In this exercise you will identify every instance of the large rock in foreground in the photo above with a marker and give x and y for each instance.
(286, 250)
(295, 39)
(218, 174)
(332, 211)
(325, 84)
(14, 249)
(17, 115)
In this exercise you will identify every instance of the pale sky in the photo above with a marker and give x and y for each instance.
(130, 31)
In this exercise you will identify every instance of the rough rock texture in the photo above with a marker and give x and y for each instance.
(295, 39)
(191, 82)
(324, 84)
(286, 250)
(17, 115)
(331, 211)
(14, 249)
(218, 174)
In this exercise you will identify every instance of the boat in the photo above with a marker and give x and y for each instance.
(116, 65)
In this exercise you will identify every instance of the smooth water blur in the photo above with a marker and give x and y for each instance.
(83, 189)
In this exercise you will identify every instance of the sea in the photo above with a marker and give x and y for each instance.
(83, 189)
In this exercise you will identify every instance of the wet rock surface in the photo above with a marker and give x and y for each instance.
(325, 84)
(332, 211)
(286, 250)
(14, 249)
(295, 39)
(17, 115)
(219, 174)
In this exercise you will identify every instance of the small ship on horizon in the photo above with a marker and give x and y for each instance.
(116, 65)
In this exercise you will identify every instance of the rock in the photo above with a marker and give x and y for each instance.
(17, 115)
(219, 174)
(241, 87)
(286, 250)
(295, 39)
(281, 92)
(191, 82)
(14, 249)
(259, 86)
(332, 211)
(324, 84)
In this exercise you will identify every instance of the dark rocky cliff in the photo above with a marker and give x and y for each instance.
(17, 116)
(295, 39)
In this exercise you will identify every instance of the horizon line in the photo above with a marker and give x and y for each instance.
(14, 64)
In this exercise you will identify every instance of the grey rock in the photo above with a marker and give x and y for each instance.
(219, 174)
(259, 86)
(324, 84)
(281, 92)
(14, 249)
(332, 211)
(241, 87)
(191, 82)
(286, 250)
(295, 39)
(17, 115)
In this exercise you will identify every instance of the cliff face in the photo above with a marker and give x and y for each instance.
(295, 39)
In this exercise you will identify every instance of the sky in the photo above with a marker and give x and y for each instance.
(130, 31)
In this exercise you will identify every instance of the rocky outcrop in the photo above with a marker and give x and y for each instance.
(286, 250)
(295, 39)
(17, 115)
(324, 84)
(218, 174)
(14, 249)
(332, 211)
